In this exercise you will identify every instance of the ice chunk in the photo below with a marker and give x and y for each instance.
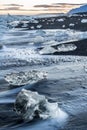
(84, 21)
(14, 23)
(60, 20)
(30, 104)
(38, 39)
(40, 32)
(47, 50)
(32, 27)
(39, 26)
(71, 24)
(63, 26)
(52, 42)
(35, 21)
(66, 47)
(23, 78)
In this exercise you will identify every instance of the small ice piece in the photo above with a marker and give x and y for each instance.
(71, 24)
(63, 26)
(25, 22)
(32, 27)
(66, 47)
(84, 21)
(38, 39)
(35, 21)
(47, 50)
(60, 20)
(14, 23)
(30, 104)
(40, 32)
(23, 78)
(39, 26)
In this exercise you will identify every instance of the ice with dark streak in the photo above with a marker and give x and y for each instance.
(30, 104)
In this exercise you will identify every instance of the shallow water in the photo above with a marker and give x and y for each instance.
(66, 83)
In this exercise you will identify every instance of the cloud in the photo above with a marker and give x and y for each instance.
(10, 7)
(65, 4)
(45, 6)
(62, 7)
(57, 5)
(18, 9)
(13, 5)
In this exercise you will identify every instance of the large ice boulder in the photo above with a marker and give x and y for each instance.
(30, 104)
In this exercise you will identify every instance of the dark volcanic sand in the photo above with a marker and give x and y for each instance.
(66, 83)
(80, 51)
(56, 23)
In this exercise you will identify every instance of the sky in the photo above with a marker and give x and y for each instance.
(32, 7)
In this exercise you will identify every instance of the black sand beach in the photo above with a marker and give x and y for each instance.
(66, 82)
(59, 22)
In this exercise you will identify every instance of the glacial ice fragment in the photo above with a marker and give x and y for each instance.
(66, 47)
(47, 50)
(23, 78)
(30, 104)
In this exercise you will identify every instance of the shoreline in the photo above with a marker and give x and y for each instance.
(74, 22)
